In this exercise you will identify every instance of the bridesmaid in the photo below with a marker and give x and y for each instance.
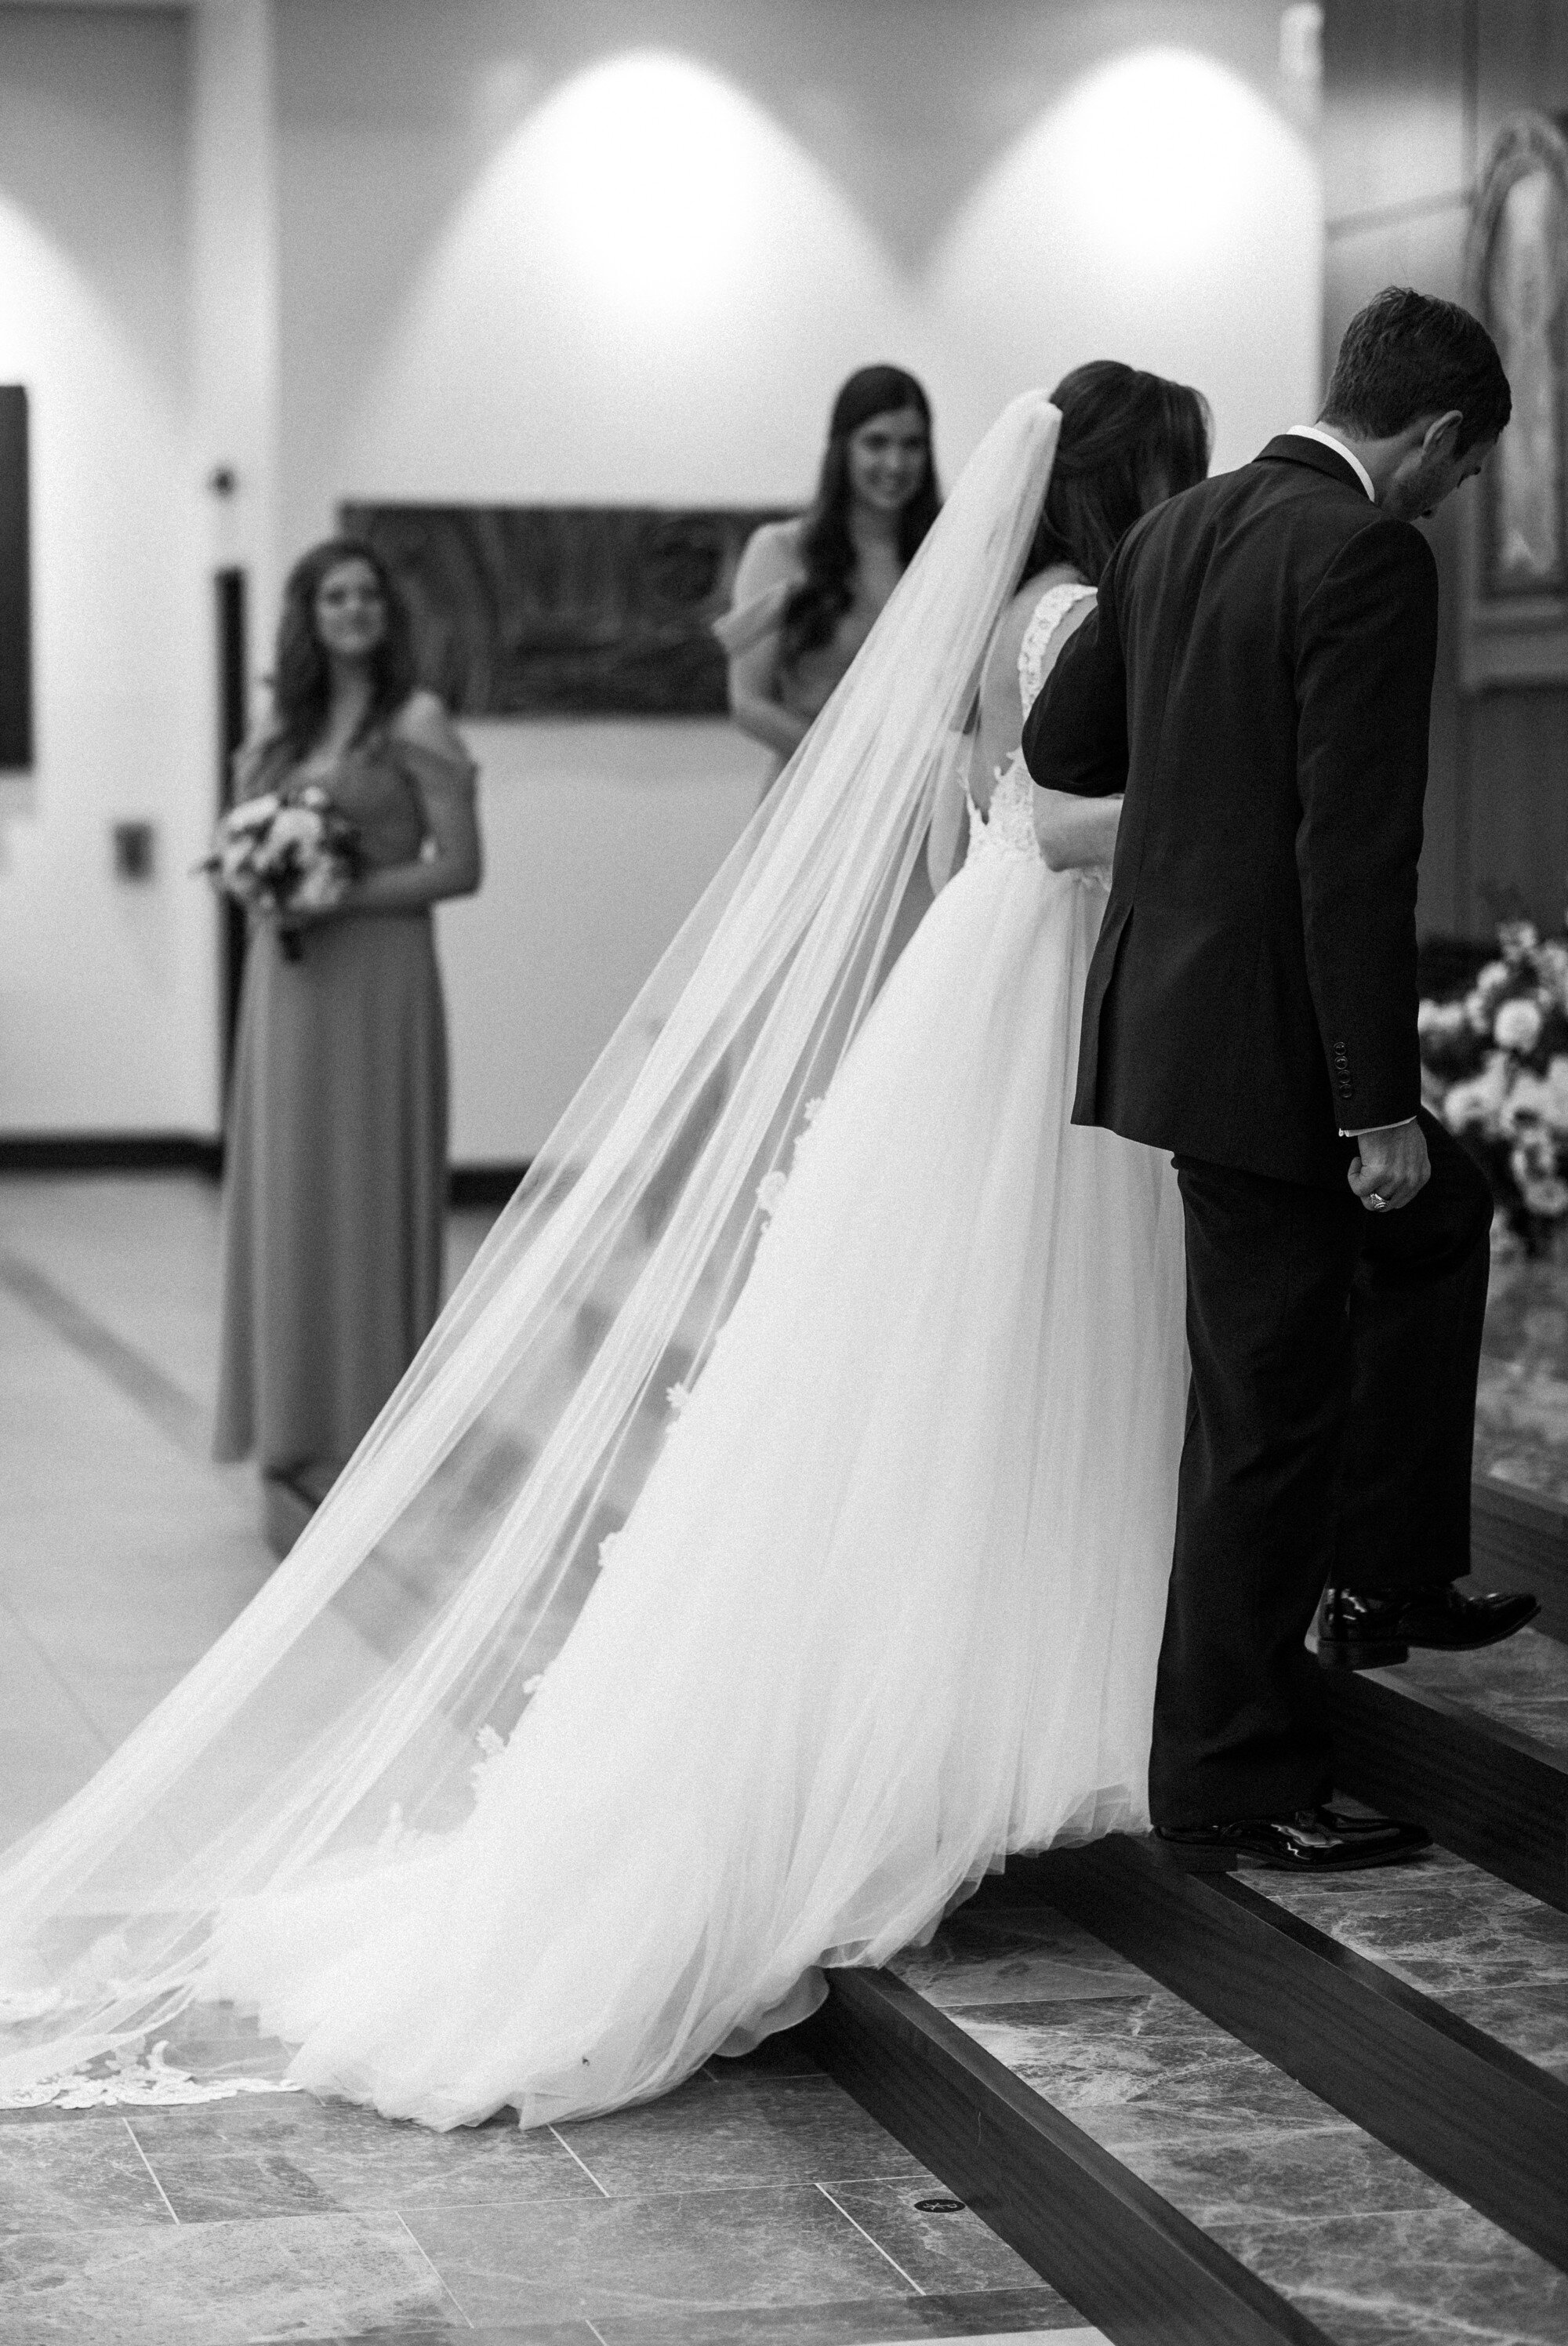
(335, 1206)
(807, 591)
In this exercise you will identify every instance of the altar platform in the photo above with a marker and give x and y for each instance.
(1110, 2100)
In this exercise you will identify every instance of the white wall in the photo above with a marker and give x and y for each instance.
(235, 355)
(626, 251)
(105, 988)
(502, 250)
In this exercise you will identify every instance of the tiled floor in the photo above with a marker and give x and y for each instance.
(761, 2205)
(758, 2204)
(1362, 2243)
(1490, 1954)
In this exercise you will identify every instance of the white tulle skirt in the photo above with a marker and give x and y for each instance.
(887, 1606)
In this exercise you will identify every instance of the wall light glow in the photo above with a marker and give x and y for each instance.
(1168, 142)
(1159, 212)
(618, 305)
(649, 165)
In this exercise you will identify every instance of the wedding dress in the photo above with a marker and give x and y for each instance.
(885, 1605)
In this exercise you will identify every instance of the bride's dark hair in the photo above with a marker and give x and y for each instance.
(301, 674)
(827, 549)
(1128, 439)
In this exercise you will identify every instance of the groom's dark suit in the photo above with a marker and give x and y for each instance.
(1257, 677)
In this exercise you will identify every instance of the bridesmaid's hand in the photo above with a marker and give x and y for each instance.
(298, 918)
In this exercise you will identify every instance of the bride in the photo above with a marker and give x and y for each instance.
(773, 1532)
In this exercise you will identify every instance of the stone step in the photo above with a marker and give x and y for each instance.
(1085, 2221)
(1519, 1539)
(1166, 2175)
(1475, 1745)
(1475, 2112)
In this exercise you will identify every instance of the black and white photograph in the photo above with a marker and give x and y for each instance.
(784, 1172)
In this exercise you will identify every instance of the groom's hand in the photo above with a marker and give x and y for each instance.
(1390, 1167)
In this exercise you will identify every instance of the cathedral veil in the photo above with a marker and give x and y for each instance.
(349, 1707)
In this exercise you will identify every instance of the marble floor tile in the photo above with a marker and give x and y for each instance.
(1531, 2020)
(139, 1252)
(1074, 2337)
(95, 1498)
(1427, 2278)
(531, 2334)
(419, 2333)
(218, 2284)
(1214, 2170)
(1521, 1683)
(1443, 1924)
(1151, 2051)
(1367, 2246)
(1484, 1949)
(933, 2320)
(92, 2177)
(177, 1414)
(672, 2256)
(941, 2249)
(787, 2130)
(277, 2154)
(1031, 1956)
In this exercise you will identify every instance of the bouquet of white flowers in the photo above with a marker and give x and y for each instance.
(1495, 1068)
(282, 852)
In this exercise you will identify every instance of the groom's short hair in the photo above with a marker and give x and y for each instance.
(1409, 354)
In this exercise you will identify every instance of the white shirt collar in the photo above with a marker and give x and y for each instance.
(1327, 440)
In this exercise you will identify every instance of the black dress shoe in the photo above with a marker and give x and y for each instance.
(1319, 1840)
(1365, 1632)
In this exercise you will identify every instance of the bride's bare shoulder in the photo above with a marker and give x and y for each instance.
(1020, 614)
(1005, 685)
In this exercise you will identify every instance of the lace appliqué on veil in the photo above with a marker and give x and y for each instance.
(143, 2080)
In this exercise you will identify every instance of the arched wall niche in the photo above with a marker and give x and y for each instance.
(954, 188)
(1516, 282)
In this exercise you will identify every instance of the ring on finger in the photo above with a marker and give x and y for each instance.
(1378, 1202)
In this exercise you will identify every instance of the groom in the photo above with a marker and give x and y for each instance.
(1255, 678)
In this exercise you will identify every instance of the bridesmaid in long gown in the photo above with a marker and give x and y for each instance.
(335, 1205)
(808, 591)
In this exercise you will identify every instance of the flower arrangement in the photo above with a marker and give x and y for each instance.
(1495, 1068)
(283, 852)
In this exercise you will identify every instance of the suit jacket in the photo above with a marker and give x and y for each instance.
(1256, 677)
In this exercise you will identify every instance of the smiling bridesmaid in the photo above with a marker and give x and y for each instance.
(808, 591)
(335, 1205)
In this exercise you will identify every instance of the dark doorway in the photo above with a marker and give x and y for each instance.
(231, 729)
(16, 585)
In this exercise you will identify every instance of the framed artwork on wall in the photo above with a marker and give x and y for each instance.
(566, 611)
(15, 586)
(1516, 603)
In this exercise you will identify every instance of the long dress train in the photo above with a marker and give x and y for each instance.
(470, 1821)
(889, 1605)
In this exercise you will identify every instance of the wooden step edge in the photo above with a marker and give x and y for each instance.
(1489, 1793)
(1476, 2117)
(1518, 1540)
(1135, 2267)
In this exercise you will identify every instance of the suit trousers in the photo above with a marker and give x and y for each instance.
(1330, 1425)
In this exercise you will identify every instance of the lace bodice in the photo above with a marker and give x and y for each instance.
(1008, 825)
(1048, 615)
